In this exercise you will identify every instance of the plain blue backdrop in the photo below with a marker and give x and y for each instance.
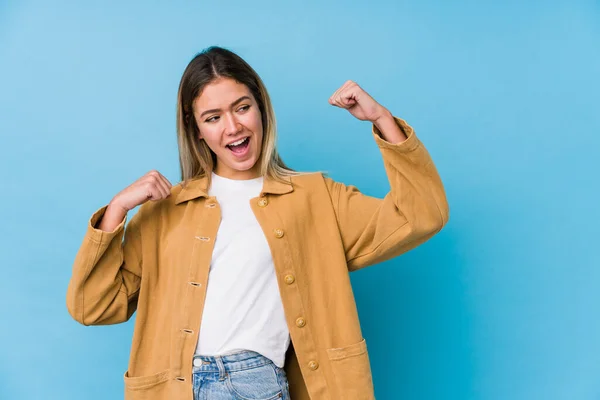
(502, 304)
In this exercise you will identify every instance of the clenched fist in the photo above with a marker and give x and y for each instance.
(362, 106)
(358, 102)
(152, 186)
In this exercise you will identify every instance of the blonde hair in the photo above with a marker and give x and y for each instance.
(196, 159)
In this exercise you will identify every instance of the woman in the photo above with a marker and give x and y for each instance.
(239, 274)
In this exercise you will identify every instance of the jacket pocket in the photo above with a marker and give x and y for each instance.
(147, 387)
(352, 371)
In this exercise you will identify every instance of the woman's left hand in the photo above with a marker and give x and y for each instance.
(358, 102)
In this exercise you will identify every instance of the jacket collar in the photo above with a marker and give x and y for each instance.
(198, 187)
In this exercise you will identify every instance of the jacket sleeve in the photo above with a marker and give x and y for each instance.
(375, 230)
(106, 275)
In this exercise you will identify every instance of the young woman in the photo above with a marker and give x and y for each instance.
(239, 273)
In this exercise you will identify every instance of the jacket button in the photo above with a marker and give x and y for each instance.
(278, 233)
(300, 322)
(313, 365)
(263, 202)
(289, 279)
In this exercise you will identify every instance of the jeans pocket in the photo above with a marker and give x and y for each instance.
(260, 383)
(283, 382)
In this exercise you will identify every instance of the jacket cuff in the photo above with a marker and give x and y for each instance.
(98, 235)
(410, 144)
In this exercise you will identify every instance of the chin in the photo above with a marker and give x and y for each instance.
(244, 165)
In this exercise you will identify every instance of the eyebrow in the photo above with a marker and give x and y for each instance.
(232, 104)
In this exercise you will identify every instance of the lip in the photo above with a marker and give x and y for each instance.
(237, 140)
(243, 155)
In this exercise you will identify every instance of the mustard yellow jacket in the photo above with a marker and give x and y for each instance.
(317, 229)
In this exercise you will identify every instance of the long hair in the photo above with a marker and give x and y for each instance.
(196, 159)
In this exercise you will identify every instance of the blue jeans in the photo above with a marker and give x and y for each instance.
(242, 375)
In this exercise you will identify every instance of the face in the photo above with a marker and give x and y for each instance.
(230, 123)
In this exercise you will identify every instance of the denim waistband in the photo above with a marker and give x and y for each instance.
(235, 361)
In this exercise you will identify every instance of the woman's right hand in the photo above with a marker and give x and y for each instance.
(152, 186)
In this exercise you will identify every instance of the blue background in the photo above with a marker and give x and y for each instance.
(502, 304)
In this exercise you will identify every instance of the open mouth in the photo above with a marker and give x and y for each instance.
(240, 146)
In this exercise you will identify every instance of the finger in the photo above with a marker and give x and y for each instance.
(169, 185)
(345, 99)
(165, 183)
(338, 102)
(338, 91)
(336, 94)
(156, 180)
(349, 98)
(351, 95)
(153, 192)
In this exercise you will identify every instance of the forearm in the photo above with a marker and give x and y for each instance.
(112, 218)
(389, 129)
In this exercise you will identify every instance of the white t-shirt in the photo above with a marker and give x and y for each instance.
(243, 308)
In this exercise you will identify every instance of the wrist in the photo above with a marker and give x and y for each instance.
(116, 206)
(388, 129)
(383, 116)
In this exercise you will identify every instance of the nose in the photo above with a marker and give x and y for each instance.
(232, 126)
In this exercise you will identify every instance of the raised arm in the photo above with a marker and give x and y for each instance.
(372, 229)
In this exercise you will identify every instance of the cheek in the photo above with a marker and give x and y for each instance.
(211, 138)
(254, 120)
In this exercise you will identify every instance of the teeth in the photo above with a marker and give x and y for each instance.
(238, 142)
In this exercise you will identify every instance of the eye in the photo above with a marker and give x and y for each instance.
(212, 119)
(244, 108)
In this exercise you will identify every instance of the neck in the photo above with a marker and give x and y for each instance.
(237, 175)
